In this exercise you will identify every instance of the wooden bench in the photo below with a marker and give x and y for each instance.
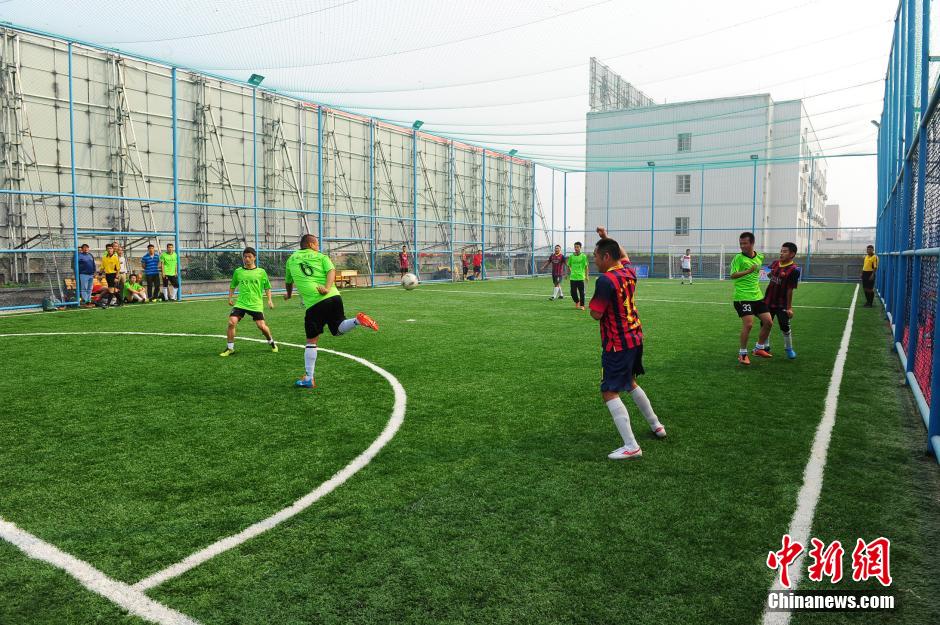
(346, 277)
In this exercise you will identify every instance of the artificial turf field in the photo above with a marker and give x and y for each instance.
(494, 502)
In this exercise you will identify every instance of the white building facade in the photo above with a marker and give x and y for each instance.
(696, 174)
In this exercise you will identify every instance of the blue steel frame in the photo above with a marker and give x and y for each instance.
(900, 134)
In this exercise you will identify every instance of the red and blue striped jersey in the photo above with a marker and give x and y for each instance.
(782, 279)
(614, 297)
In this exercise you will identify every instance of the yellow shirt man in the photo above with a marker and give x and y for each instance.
(870, 263)
(110, 264)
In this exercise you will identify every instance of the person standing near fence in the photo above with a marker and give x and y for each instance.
(577, 274)
(557, 261)
(151, 266)
(169, 269)
(404, 266)
(110, 265)
(869, 269)
(86, 274)
(686, 262)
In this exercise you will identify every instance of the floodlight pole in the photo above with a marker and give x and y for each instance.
(78, 296)
(254, 161)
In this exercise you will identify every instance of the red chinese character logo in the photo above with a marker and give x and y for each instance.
(872, 560)
(782, 559)
(826, 562)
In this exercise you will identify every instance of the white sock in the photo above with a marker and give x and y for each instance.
(742, 352)
(271, 341)
(310, 360)
(163, 291)
(758, 346)
(788, 340)
(231, 345)
(622, 421)
(346, 325)
(173, 292)
(643, 403)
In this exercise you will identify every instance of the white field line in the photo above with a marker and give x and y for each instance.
(125, 596)
(640, 299)
(808, 497)
(220, 546)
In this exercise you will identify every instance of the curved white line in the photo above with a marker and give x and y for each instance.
(71, 565)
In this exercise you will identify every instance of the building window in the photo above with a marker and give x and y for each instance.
(684, 142)
(683, 183)
(682, 226)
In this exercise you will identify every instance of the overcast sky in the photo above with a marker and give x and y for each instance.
(513, 74)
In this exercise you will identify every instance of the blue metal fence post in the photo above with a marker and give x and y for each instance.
(483, 219)
(534, 201)
(933, 422)
(607, 212)
(72, 172)
(320, 175)
(176, 188)
(754, 198)
(812, 201)
(372, 201)
(701, 223)
(551, 243)
(509, 245)
(652, 214)
(564, 215)
(452, 162)
(414, 199)
(254, 162)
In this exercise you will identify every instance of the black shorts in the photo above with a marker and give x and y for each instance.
(328, 312)
(111, 279)
(619, 369)
(783, 319)
(465, 269)
(556, 280)
(755, 308)
(174, 280)
(868, 279)
(241, 312)
(686, 272)
(477, 268)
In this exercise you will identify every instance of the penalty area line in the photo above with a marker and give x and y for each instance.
(808, 497)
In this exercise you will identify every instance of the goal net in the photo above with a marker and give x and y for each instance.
(707, 261)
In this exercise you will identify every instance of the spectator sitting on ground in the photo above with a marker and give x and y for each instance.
(134, 290)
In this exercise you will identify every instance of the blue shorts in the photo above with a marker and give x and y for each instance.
(620, 368)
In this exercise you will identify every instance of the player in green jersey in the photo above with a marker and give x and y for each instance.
(251, 282)
(748, 299)
(313, 274)
(577, 274)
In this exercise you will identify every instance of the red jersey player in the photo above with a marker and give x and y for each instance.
(784, 278)
(622, 342)
(557, 261)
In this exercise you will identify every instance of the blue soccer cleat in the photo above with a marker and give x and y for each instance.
(303, 383)
(791, 354)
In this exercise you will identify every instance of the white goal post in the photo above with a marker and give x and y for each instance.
(708, 261)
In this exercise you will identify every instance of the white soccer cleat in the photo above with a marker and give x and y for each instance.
(660, 432)
(625, 453)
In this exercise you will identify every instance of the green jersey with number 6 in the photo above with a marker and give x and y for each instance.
(307, 269)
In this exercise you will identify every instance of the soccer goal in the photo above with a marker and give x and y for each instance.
(708, 261)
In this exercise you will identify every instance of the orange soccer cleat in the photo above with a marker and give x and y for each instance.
(366, 321)
(743, 359)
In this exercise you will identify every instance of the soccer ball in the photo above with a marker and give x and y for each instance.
(409, 281)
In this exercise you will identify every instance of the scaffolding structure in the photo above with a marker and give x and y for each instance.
(100, 146)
